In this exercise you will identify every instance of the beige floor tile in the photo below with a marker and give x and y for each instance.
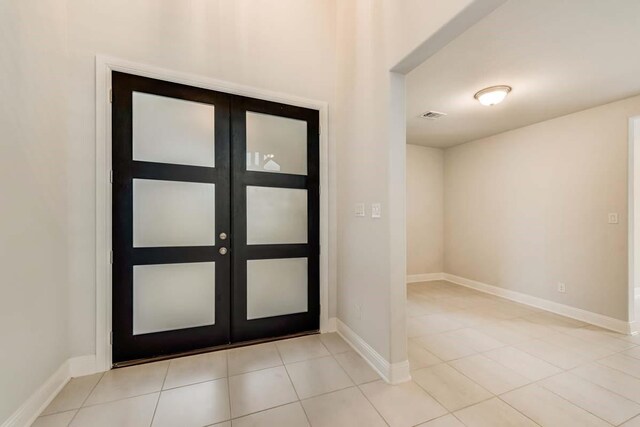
(549, 409)
(132, 412)
(555, 321)
(471, 317)
(403, 405)
(493, 413)
(599, 401)
(586, 349)
(502, 332)
(452, 389)
(489, 374)
(128, 382)
(551, 353)
(446, 421)
(436, 323)
(601, 337)
(303, 348)
(635, 422)
(427, 305)
(196, 369)
(510, 309)
(253, 358)
(420, 357)
(525, 364)
(260, 390)
(531, 329)
(73, 394)
(476, 339)
(194, 405)
(633, 352)
(611, 379)
(317, 376)
(627, 364)
(224, 424)
(446, 347)
(355, 366)
(334, 343)
(61, 419)
(291, 415)
(344, 408)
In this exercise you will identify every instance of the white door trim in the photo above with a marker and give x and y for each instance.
(633, 242)
(104, 66)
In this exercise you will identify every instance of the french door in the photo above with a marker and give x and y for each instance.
(215, 219)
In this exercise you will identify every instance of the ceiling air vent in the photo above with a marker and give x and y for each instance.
(432, 115)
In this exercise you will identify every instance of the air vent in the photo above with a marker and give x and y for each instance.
(432, 115)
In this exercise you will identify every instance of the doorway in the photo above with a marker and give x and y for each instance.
(215, 219)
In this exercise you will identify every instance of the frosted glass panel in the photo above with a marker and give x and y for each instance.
(276, 215)
(173, 296)
(169, 130)
(171, 213)
(276, 287)
(276, 144)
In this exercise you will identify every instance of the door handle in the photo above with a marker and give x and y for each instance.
(223, 251)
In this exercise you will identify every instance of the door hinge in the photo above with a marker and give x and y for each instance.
(320, 130)
(110, 96)
(111, 176)
(110, 337)
(110, 257)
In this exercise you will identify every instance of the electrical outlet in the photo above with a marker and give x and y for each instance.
(359, 209)
(562, 288)
(376, 210)
(613, 218)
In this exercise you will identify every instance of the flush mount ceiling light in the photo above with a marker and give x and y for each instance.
(492, 95)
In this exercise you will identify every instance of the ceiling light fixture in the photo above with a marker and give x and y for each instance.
(492, 95)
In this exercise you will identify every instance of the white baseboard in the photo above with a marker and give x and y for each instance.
(393, 373)
(331, 326)
(425, 277)
(596, 319)
(83, 365)
(27, 413)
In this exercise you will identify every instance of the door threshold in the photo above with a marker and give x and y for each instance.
(209, 349)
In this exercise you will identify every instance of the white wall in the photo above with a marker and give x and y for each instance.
(369, 124)
(285, 46)
(528, 208)
(425, 208)
(33, 197)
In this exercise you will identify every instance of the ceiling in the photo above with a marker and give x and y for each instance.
(560, 56)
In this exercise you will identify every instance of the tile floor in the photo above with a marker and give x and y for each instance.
(476, 360)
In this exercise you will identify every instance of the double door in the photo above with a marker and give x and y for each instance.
(215, 219)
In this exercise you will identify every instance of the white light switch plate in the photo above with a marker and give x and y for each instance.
(376, 210)
(359, 209)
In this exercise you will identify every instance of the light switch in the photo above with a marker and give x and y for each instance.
(376, 210)
(359, 209)
(613, 218)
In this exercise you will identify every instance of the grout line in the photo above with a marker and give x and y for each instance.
(372, 405)
(293, 386)
(166, 373)
(228, 383)
(86, 398)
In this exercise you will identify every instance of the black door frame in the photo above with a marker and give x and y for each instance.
(127, 347)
